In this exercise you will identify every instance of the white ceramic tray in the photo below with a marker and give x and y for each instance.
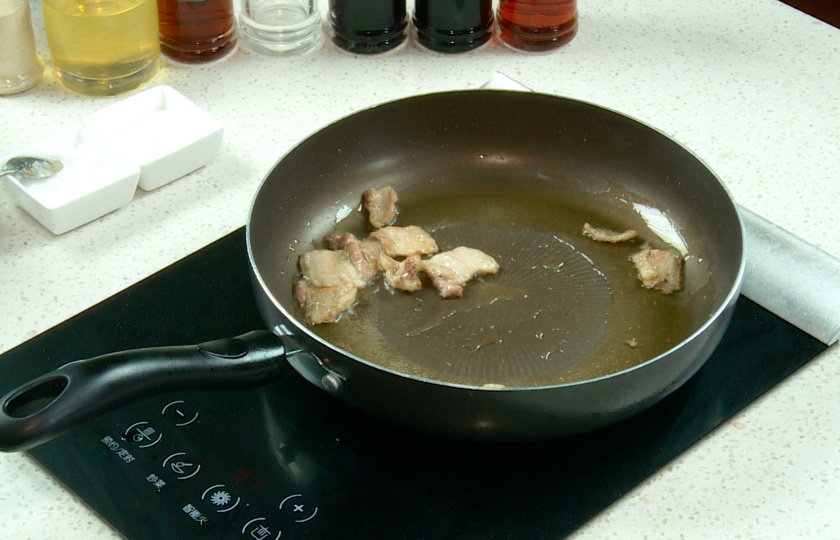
(94, 181)
(160, 130)
(149, 139)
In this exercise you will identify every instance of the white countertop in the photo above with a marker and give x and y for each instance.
(752, 87)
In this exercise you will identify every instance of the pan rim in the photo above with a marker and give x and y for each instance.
(299, 328)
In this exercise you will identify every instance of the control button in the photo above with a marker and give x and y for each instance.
(220, 499)
(258, 529)
(224, 348)
(180, 464)
(143, 434)
(295, 507)
(180, 413)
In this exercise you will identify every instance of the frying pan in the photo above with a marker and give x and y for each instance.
(563, 340)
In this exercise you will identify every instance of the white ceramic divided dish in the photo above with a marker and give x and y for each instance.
(94, 181)
(160, 130)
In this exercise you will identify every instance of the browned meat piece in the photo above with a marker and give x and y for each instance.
(381, 206)
(365, 257)
(331, 278)
(338, 241)
(405, 241)
(659, 269)
(323, 304)
(607, 235)
(401, 275)
(363, 254)
(451, 270)
(328, 268)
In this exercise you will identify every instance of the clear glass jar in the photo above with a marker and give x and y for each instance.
(280, 27)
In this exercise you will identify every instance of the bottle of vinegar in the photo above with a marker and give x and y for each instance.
(537, 25)
(196, 31)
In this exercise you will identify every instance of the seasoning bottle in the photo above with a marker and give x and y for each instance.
(20, 66)
(453, 26)
(196, 31)
(100, 47)
(537, 25)
(368, 26)
(280, 27)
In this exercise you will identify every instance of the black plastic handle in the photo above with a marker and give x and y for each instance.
(42, 409)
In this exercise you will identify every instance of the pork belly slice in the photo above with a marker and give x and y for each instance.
(337, 241)
(381, 206)
(329, 268)
(405, 241)
(451, 270)
(607, 235)
(659, 269)
(401, 275)
(363, 254)
(323, 304)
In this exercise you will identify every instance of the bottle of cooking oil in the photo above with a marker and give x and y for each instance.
(103, 47)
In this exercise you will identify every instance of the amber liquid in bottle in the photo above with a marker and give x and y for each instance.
(196, 31)
(537, 25)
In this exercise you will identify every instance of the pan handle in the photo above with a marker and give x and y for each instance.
(42, 409)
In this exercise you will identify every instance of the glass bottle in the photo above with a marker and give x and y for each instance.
(20, 66)
(102, 47)
(280, 27)
(537, 25)
(196, 31)
(368, 26)
(453, 26)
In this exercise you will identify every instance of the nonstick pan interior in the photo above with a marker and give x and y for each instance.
(516, 175)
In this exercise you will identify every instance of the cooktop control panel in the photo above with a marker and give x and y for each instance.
(159, 447)
(198, 467)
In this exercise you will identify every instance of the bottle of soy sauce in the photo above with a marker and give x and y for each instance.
(368, 26)
(453, 26)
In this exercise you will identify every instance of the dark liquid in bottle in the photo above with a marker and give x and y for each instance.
(453, 26)
(199, 31)
(368, 26)
(537, 25)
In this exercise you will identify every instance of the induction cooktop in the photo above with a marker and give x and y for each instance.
(288, 461)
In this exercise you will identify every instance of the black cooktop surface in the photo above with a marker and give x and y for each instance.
(288, 461)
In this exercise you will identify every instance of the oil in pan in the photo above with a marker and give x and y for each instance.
(563, 308)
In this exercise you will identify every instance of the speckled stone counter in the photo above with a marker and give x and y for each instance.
(750, 87)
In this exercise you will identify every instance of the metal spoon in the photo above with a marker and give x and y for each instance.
(30, 167)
